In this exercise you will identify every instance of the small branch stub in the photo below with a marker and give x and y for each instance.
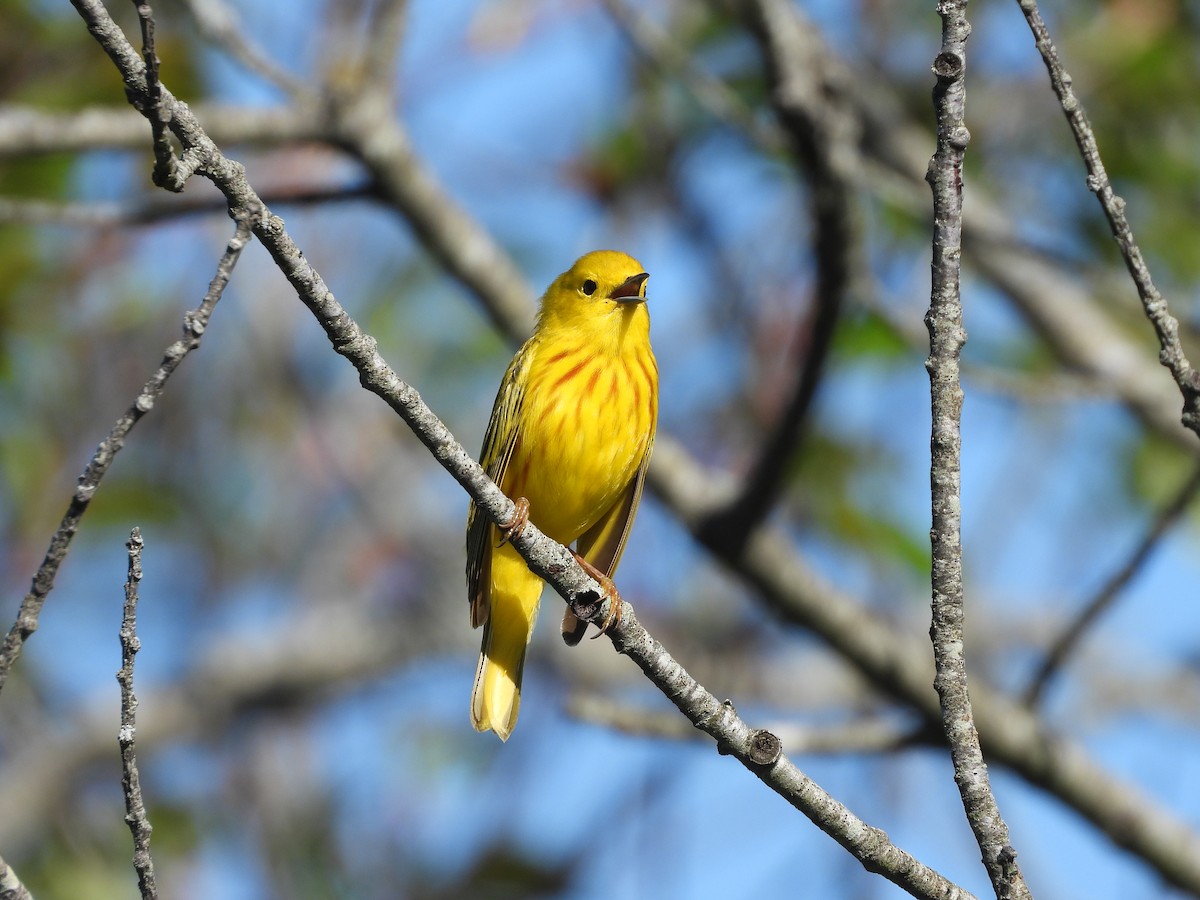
(765, 748)
(948, 66)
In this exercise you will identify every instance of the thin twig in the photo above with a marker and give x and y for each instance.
(1064, 645)
(946, 339)
(170, 172)
(218, 23)
(131, 786)
(194, 323)
(1155, 307)
(11, 887)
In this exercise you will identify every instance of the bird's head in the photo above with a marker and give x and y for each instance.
(603, 294)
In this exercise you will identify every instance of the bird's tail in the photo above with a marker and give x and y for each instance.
(515, 594)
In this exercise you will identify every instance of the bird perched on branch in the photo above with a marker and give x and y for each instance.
(570, 439)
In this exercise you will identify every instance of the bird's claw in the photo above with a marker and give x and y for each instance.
(610, 591)
(511, 530)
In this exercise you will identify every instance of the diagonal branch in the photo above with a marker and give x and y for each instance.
(11, 887)
(1064, 645)
(194, 324)
(1155, 306)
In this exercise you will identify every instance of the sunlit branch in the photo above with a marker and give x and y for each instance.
(946, 339)
(1155, 306)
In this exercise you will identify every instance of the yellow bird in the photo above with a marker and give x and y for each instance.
(569, 438)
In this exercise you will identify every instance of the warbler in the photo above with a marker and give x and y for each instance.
(569, 439)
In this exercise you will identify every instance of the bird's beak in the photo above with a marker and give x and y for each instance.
(631, 290)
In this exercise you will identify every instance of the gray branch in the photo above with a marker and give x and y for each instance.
(1066, 642)
(11, 887)
(946, 339)
(131, 785)
(1155, 306)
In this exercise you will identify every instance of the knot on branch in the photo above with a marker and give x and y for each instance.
(948, 66)
(586, 604)
(764, 748)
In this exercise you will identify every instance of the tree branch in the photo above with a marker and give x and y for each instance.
(194, 324)
(11, 887)
(1155, 307)
(824, 139)
(946, 339)
(218, 23)
(131, 785)
(1071, 636)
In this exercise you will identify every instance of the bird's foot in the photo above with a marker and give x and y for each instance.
(511, 530)
(610, 591)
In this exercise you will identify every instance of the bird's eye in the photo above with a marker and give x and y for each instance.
(589, 287)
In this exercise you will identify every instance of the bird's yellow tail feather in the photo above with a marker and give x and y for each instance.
(516, 592)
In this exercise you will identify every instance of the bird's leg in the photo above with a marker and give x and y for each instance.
(511, 530)
(610, 591)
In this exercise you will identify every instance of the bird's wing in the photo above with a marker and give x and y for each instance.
(498, 443)
(603, 543)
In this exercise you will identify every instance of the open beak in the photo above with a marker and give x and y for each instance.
(631, 290)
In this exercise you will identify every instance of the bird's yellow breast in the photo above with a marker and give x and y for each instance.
(585, 426)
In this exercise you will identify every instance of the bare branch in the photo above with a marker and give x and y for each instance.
(170, 172)
(194, 324)
(1066, 643)
(131, 785)
(234, 676)
(823, 135)
(218, 23)
(946, 339)
(11, 887)
(366, 127)
(1165, 325)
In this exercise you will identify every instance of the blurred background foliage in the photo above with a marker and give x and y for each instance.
(307, 656)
